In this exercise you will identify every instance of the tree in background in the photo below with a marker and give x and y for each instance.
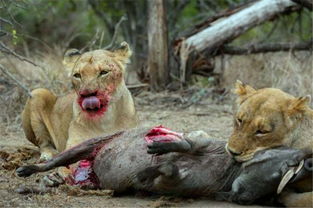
(91, 24)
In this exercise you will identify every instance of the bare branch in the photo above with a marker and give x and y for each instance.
(175, 10)
(91, 42)
(104, 17)
(5, 21)
(6, 72)
(7, 50)
(305, 3)
(116, 28)
(137, 86)
(265, 48)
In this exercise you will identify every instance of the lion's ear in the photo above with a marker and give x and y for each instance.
(70, 58)
(299, 104)
(123, 53)
(243, 90)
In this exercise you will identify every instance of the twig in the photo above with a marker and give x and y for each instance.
(27, 90)
(123, 18)
(270, 33)
(92, 42)
(9, 51)
(101, 39)
(184, 54)
(137, 86)
(306, 3)
(5, 21)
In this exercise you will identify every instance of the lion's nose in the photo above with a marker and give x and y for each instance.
(233, 153)
(87, 93)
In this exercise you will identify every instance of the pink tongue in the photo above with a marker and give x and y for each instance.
(91, 103)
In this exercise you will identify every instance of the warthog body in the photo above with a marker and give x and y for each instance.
(162, 161)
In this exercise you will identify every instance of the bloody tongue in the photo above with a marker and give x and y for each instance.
(91, 103)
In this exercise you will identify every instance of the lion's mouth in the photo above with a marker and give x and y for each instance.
(93, 103)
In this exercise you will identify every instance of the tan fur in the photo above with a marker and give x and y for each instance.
(57, 123)
(297, 199)
(268, 118)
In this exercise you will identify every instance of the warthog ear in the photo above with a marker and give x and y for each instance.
(70, 58)
(123, 53)
(243, 90)
(299, 105)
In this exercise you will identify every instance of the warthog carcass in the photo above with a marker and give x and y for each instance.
(163, 161)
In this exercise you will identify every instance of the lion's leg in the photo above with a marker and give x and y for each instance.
(64, 173)
(26, 123)
(36, 123)
(297, 199)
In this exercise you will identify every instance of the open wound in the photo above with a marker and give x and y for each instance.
(84, 175)
(162, 134)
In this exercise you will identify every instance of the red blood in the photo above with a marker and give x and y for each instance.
(93, 103)
(162, 134)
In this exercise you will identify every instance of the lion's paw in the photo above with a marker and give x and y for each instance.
(53, 179)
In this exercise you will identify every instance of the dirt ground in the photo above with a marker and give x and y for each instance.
(153, 109)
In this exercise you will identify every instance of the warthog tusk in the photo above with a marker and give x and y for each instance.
(290, 173)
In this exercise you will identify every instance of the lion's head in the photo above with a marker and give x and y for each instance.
(263, 120)
(97, 76)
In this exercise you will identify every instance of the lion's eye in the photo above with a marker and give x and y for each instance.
(102, 73)
(77, 75)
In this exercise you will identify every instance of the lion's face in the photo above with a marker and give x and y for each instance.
(263, 120)
(96, 77)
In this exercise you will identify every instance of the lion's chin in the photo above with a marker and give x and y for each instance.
(96, 112)
(244, 158)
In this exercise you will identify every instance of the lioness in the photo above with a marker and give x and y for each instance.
(99, 104)
(268, 118)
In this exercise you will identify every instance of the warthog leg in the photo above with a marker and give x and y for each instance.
(162, 140)
(86, 150)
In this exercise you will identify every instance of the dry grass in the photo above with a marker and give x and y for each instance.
(292, 73)
(289, 72)
(50, 74)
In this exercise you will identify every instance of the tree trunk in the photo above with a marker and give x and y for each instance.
(229, 28)
(158, 45)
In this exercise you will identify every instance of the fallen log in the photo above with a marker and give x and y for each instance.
(225, 30)
(209, 37)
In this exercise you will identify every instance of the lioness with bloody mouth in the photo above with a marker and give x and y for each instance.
(99, 104)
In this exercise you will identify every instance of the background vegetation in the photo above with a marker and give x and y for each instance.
(42, 30)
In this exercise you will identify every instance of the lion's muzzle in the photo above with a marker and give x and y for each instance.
(93, 102)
